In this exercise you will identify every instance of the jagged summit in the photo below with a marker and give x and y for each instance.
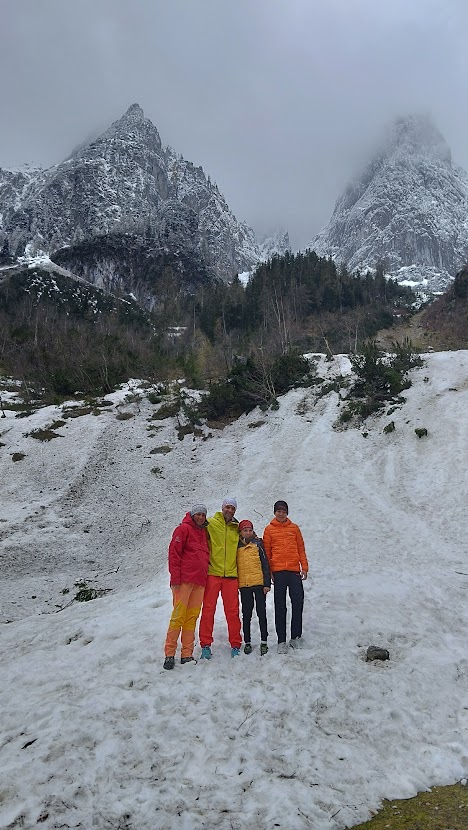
(408, 209)
(134, 114)
(124, 181)
(418, 134)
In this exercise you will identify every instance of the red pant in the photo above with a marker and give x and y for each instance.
(187, 600)
(229, 587)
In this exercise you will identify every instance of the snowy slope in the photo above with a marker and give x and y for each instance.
(409, 209)
(94, 733)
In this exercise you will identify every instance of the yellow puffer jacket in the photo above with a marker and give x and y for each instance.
(252, 564)
(222, 541)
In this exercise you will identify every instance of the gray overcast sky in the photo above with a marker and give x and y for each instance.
(278, 100)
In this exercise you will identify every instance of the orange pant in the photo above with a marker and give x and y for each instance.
(229, 587)
(187, 600)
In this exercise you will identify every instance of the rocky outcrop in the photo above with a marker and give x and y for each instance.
(409, 210)
(126, 182)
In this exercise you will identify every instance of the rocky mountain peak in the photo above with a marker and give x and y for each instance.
(407, 209)
(416, 135)
(124, 181)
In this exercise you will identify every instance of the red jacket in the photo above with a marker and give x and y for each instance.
(189, 553)
(284, 547)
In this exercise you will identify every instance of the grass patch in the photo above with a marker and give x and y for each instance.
(77, 411)
(43, 434)
(167, 410)
(86, 594)
(439, 809)
(57, 425)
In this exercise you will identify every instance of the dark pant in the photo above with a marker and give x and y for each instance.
(293, 583)
(247, 602)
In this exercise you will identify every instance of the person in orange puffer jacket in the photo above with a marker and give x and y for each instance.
(285, 550)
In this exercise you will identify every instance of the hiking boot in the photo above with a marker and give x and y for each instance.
(236, 651)
(184, 660)
(282, 648)
(206, 653)
(169, 663)
(296, 642)
(247, 648)
(263, 649)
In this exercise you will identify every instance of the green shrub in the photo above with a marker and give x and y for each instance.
(421, 432)
(389, 427)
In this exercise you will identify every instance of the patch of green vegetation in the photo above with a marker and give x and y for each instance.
(86, 594)
(439, 809)
(389, 427)
(76, 411)
(421, 432)
(43, 434)
(256, 381)
(56, 425)
(380, 378)
(157, 471)
(167, 410)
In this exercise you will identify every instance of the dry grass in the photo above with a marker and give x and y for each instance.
(443, 808)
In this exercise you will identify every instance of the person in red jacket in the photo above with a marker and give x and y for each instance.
(188, 567)
(285, 550)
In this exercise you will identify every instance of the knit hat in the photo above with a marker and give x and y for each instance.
(229, 502)
(245, 523)
(280, 504)
(198, 508)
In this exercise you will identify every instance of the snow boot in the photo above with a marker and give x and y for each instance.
(235, 652)
(206, 653)
(247, 648)
(169, 663)
(263, 649)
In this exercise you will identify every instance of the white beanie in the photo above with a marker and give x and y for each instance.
(198, 508)
(228, 501)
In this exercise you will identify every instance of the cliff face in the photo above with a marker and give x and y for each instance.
(409, 209)
(125, 182)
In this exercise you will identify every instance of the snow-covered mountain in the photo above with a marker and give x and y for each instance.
(126, 181)
(276, 245)
(409, 209)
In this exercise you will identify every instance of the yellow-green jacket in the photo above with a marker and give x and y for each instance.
(222, 540)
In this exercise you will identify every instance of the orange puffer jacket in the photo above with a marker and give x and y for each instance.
(284, 547)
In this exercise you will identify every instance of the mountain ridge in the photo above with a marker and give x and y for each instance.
(408, 210)
(124, 179)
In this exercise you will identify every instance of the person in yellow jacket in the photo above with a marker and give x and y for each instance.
(285, 550)
(254, 583)
(223, 537)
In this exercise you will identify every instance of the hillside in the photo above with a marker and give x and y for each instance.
(99, 735)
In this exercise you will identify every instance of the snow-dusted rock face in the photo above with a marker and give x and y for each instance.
(125, 181)
(276, 245)
(409, 210)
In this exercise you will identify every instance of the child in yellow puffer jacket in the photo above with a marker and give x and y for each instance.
(254, 577)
